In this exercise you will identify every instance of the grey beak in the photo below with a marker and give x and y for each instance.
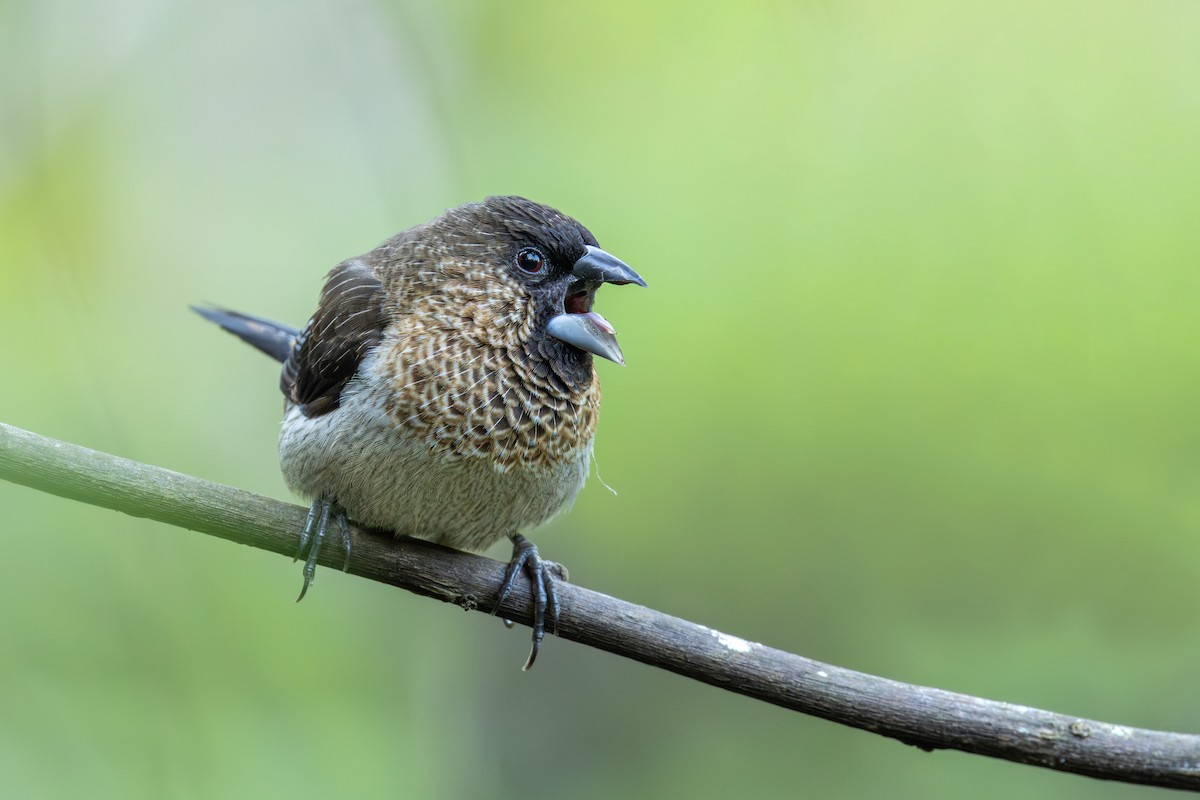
(600, 267)
(591, 332)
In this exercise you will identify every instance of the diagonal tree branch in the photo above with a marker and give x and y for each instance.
(922, 716)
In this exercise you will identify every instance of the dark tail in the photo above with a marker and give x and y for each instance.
(273, 338)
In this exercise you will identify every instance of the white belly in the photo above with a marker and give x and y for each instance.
(389, 479)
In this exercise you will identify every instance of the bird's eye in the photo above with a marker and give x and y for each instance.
(530, 260)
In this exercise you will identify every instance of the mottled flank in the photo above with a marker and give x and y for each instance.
(461, 376)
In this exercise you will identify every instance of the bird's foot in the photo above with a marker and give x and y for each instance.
(541, 577)
(313, 536)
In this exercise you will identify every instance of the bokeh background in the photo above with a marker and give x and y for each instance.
(913, 390)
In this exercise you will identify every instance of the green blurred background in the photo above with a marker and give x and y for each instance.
(914, 389)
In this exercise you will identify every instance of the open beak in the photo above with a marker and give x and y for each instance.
(579, 325)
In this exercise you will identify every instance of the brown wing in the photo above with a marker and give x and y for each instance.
(347, 324)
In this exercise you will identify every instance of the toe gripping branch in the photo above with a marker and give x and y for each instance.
(313, 536)
(525, 558)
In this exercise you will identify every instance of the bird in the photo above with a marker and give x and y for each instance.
(445, 388)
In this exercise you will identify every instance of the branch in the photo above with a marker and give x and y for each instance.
(925, 717)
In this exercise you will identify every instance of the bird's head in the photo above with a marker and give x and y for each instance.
(526, 276)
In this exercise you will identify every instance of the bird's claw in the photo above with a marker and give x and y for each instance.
(541, 577)
(313, 536)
